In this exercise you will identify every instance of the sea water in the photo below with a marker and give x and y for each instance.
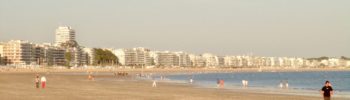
(300, 83)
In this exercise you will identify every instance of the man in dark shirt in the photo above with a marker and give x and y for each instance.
(327, 91)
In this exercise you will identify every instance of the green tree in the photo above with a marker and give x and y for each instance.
(344, 58)
(319, 58)
(68, 57)
(104, 57)
(70, 44)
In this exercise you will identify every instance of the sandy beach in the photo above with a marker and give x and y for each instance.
(67, 86)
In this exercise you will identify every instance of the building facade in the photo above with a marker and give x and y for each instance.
(18, 52)
(166, 59)
(184, 59)
(211, 60)
(90, 55)
(133, 57)
(50, 55)
(197, 61)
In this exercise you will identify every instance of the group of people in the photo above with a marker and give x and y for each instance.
(121, 74)
(326, 91)
(220, 83)
(39, 81)
(284, 84)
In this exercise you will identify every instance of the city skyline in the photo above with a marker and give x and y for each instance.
(273, 28)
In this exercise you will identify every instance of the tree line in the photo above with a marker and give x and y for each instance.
(104, 57)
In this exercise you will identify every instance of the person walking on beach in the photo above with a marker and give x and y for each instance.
(218, 83)
(327, 91)
(191, 81)
(37, 80)
(154, 84)
(43, 82)
(90, 77)
(281, 84)
(222, 83)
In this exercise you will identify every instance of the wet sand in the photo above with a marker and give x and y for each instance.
(61, 86)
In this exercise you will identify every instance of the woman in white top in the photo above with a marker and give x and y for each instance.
(43, 82)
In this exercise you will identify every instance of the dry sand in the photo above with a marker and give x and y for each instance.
(60, 86)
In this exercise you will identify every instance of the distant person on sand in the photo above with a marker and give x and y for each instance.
(43, 82)
(327, 91)
(90, 77)
(218, 82)
(281, 84)
(37, 80)
(222, 83)
(191, 80)
(245, 83)
(154, 84)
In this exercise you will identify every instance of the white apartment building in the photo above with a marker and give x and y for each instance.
(333, 62)
(166, 59)
(79, 57)
(197, 61)
(18, 52)
(211, 60)
(221, 61)
(133, 57)
(184, 59)
(64, 34)
(47, 54)
(90, 53)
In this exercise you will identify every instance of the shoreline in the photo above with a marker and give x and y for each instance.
(170, 70)
(19, 86)
(261, 90)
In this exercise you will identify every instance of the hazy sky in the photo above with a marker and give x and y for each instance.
(305, 28)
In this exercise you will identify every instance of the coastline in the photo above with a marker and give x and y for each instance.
(264, 90)
(19, 86)
(167, 70)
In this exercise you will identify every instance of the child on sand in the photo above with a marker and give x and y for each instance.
(37, 80)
